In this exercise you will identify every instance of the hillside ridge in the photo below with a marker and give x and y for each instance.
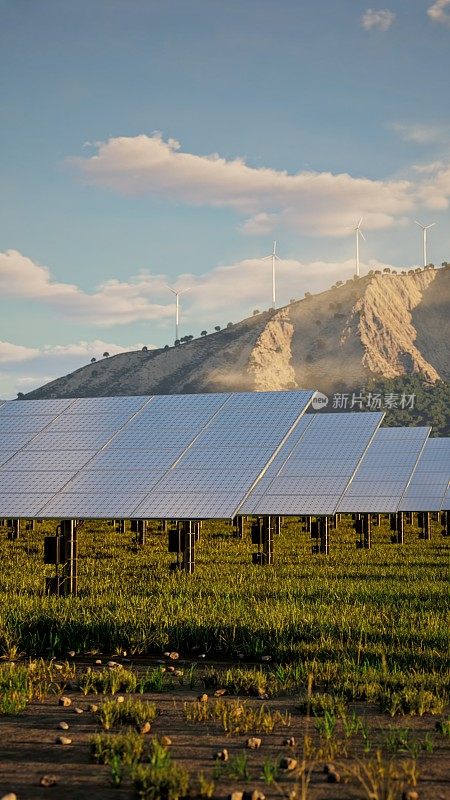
(382, 325)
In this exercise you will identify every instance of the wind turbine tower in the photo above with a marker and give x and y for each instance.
(274, 258)
(177, 293)
(424, 235)
(358, 233)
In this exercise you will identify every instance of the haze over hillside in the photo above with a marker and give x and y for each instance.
(384, 325)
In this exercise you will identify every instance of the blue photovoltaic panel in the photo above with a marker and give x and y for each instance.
(224, 461)
(191, 456)
(311, 476)
(384, 472)
(429, 483)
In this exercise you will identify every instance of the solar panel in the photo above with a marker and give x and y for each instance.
(428, 486)
(312, 475)
(34, 407)
(223, 462)
(182, 455)
(384, 472)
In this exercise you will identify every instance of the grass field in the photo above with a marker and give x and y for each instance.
(383, 610)
(349, 653)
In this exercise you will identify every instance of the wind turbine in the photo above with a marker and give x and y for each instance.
(359, 233)
(273, 256)
(177, 293)
(424, 233)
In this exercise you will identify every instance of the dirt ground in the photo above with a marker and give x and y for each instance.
(28, 751)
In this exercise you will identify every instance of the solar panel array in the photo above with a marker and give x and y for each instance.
(383, 475)
(211, 456)
(315, 466)
(187, 456)
(428, 487)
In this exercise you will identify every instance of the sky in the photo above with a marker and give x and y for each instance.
(147, 143)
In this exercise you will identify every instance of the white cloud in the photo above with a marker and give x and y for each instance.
(316, 203)
(439, 11)
(381, 20)
(114, 302)
(420, 133)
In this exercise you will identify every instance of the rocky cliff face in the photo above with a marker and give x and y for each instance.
(381, 325)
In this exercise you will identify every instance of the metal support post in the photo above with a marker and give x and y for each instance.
(324, 545)
(277, 527)
(69, 547)
(425, 524)
(267, 541)
(141, 532)
(14, 529)
(445, 520)
(240, 527)
(400, 527)
(191, 532)
(367, 531)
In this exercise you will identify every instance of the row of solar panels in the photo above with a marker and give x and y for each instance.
(211, 456)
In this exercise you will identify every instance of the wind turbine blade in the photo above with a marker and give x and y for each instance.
(361, 234)
(419, 224)
(431, 225)
(359, 223)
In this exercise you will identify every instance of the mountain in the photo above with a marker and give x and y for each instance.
(383, 325)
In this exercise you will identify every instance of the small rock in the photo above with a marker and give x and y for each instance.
(178, 673)
(64, 701)
(145, 727)
(236, 795)
(78, 710)
(333, 776)
(203, 698)
(255, 795)
(166, 741)
(262, 695)
(113, 664)
(166, 654)
(97, 662)
(288, 764)
(10, 796)
(290, 742)
(174, 656)
(410, 794)
(63, 740)
(71, 653)
(202, 655)
(266, 658)
(93, 708)
(58, 666)
(63, 726)
(120, 698)
(221, 755)
(48, 780)
(220, 692)
(253, 743)
(170, 669)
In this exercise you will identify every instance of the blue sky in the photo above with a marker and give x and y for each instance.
(314, 113)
